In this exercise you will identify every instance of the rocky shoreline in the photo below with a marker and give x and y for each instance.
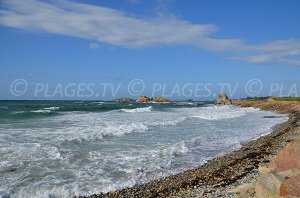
(221, 176)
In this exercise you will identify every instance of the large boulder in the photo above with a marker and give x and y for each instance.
(267, 186)
(223, 100)
(290, 187)
(282, 177)
(288, 158)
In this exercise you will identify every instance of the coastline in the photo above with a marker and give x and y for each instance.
(219, 176)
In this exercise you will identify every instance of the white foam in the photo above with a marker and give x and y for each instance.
(116, 130)
(18, 112)
(25, 151)
(138, 110)
(51, 108)
(176, 149)
(49, 163)
(221, 112)
(42, 111)
(43, 192)
(168, 122)
(94, 133)
(46, 110)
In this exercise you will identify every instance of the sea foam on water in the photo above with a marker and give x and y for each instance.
(68, 148)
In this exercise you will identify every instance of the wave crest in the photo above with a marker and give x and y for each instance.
(221, 112)
(52, 108)
(98, 133)
(124, 129)
(34, 113)
(178, 149)
(138, 110)
(168, 122)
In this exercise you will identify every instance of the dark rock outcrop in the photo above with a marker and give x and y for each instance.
(223, 100)
(123, 100)
(159, 99)
(153, 99)
(143, 99)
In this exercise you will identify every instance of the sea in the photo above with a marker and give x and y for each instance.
(70, 148)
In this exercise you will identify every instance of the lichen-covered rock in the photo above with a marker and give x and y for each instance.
(290, 173)
(264, 170)
(291, 186)
(268, 185)
(288, 158)
(223, 100)
(282, 178)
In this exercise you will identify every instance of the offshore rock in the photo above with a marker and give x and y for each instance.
(159, 99)
(153, 99)
(223, 100)
(123, 100)
(143, 99)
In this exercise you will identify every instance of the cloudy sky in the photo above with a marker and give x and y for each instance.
(159, 41)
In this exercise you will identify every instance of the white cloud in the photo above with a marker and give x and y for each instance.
(99, 23)
(116, 28)
(108, 25)
(277, 52)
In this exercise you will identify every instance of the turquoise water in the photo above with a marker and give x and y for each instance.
(67, 148)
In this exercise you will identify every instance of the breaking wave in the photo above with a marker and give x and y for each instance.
(138, 110)
(221, 112)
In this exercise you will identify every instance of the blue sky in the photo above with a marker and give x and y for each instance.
(161, 41)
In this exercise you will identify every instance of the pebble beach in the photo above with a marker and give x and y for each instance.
(222, 176)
